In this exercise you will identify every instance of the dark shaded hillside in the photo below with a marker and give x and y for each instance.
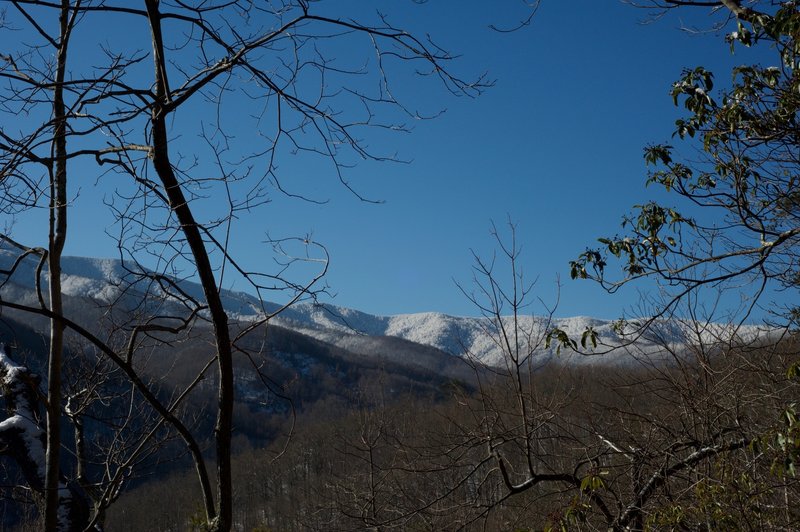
(290, 366)
(289, 375)
(292, 371)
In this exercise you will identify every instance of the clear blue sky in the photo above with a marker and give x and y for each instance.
(556, 145)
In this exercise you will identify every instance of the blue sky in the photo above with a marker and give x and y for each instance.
(555, 145)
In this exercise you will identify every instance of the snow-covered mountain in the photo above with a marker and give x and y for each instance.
(102, 280)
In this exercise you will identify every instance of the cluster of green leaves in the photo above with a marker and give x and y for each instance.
(717, 504)
(563, 340)
(656, 231)
(575, 514)
(593, 481)
(783, 444)
(695, 88)
(748, 179)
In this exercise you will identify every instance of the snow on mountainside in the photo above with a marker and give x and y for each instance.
(100, 279)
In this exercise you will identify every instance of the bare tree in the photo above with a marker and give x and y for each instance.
(648, 438)
(316, 105)
(51, 135)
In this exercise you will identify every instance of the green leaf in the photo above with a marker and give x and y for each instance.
(591, 335)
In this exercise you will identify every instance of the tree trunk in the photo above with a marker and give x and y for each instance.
(191, 230)
(57, 237)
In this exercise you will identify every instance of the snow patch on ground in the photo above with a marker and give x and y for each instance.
(23, 419)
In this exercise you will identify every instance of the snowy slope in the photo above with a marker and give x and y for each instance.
(100, 280)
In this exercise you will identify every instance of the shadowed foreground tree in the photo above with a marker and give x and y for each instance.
(176, 200)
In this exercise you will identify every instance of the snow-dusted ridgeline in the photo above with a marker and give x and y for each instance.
(100, 279)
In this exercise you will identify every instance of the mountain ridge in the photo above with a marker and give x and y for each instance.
(474, 337)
